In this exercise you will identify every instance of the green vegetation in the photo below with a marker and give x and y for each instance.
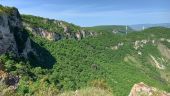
(92, 63)
(108, 62)
(6, 9)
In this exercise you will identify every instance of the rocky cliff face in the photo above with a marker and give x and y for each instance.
(12, 35)
(54, 30)
(43, 33)
(7, 39)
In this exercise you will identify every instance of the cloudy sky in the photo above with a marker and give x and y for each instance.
(97, 12)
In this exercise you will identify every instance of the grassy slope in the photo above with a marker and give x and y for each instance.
(91, 91)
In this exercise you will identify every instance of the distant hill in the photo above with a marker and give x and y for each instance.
(141, 26)
(110, 28)
(122, 28)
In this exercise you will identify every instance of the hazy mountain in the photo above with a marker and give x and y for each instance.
(144, 26)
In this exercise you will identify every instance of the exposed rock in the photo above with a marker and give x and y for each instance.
(120, 44)
(116, 47)
(53, 36)
(2, 75)
(64, 27)
(162, 39)
(83, 33)
(7, 41)
(136, 45)
(59, 29)
(139, 53)
(140, 43)
(158, 65)
(12, 34)
(153, 41)
(28, 49)
(8, 79)
(168, 40)
(78, 35)
(142, 89)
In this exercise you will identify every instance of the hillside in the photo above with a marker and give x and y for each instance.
(121, 60)
(105, 63)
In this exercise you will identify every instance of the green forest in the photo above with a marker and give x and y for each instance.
(106, 61)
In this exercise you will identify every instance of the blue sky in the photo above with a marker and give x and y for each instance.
(97, 12)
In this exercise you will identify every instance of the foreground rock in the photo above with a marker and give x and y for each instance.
(8, 79)
(142, 89)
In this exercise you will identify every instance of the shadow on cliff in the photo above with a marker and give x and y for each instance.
(42, 58)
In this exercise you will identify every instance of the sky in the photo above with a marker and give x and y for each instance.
(97, 12)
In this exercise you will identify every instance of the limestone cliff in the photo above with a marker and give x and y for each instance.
(54, 30)
(13, 37)
(7, 39)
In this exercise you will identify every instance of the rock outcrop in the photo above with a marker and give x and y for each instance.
(7, 39)
(157, 64)
(142, 89)
(9, 80)
(13, 37)
(43, 33)
(54, 30)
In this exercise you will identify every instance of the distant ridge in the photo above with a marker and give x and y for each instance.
(110, 28)
(144, 26)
